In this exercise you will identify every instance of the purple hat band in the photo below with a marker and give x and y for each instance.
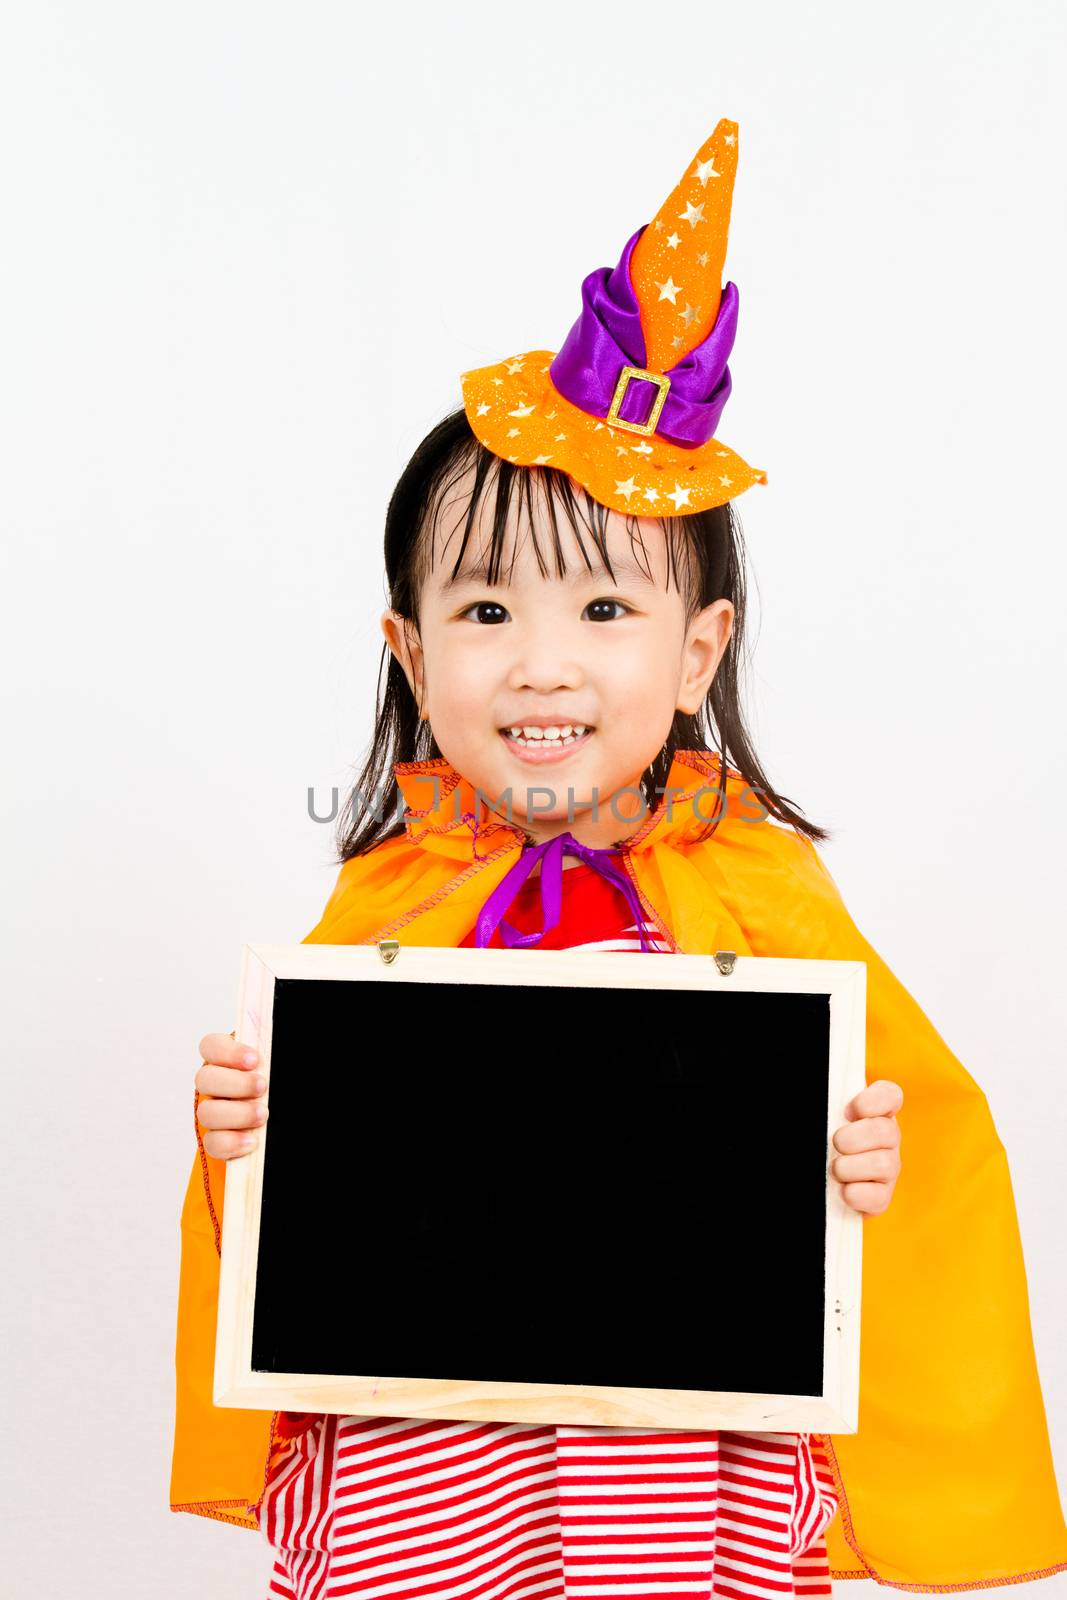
(607, 337)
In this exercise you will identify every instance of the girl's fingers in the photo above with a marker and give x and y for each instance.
(229, 1069)
(225, 1146)
(882, 1098)
(870, 1133)
(226, 1126)
(216, 1114)
(230, 1090)
(873, 1166)
(219, 1049)
(229, 1082)
(871, 1198)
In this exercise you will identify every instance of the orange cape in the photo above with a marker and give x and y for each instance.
(949, 1482)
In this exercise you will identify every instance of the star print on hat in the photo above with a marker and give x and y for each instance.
(629, 405)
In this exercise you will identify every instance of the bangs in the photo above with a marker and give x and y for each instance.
(514, 496)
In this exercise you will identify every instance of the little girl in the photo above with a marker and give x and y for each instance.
(545, 723)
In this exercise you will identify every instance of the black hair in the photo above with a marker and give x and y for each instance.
(712, 567)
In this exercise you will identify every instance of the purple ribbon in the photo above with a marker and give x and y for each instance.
(550, 854)
(607, 337)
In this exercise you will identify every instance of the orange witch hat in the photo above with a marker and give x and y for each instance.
(629, 405)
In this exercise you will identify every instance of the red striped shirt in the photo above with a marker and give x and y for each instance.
(389, 1508)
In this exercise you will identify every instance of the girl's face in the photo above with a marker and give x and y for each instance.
(538, 651)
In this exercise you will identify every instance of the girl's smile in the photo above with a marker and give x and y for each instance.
(541, 744)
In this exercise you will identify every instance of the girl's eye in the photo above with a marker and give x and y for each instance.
(595, 603)
(487, 605)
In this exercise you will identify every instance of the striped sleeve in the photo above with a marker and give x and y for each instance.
(773, 1505)
(280, 1587)
(814, 1500)
(297, 1512)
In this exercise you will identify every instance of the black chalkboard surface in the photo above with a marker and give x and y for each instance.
(547, 1192)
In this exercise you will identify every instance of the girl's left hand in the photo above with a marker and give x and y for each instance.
(869, 1170)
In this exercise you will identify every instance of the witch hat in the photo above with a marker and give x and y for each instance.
(629, 405)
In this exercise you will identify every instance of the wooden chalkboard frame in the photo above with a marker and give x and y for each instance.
(835, 1411)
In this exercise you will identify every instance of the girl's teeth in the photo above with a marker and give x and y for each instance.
(566, 733)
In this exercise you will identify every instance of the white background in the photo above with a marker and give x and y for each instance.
(247, 251)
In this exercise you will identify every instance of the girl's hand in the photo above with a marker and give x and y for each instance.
(230, 1096)
(869, 1171)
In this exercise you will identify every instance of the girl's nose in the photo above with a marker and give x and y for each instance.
(545, 671)
(545, 660)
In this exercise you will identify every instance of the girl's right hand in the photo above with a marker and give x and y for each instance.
(231, 1096)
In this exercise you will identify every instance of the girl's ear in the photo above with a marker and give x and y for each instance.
(705, 644)
(402, 637)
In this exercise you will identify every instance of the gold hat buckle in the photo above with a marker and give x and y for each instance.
(662, 383)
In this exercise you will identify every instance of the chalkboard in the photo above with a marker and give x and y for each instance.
(551, 1187)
